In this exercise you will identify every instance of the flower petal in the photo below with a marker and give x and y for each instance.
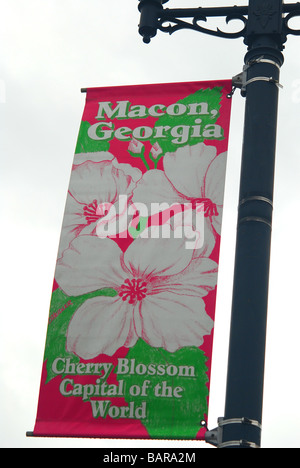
(126, 177)
(186, 168)
(93, 181)
(157, 257)
(172, 322)
(73, 223)
(97, 156)
(215, 180)
(103, 181)
(198, 279)
(74, 214)
(154, 187)
(217, 220)
(214, 187)
(101, 325)
(197, 230)
(88, 265)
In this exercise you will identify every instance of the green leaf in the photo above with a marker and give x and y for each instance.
(62, 308)
(85, 144)
(209, 116)
(175, 403)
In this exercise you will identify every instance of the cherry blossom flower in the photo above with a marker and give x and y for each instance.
(94, 188)
(192, 174)
(160, 289)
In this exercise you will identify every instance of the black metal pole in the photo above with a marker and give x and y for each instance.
(244, 394)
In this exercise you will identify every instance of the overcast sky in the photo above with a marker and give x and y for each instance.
(49, 50)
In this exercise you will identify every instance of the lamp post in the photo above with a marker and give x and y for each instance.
(265, 26)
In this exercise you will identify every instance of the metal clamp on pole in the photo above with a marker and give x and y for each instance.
(262, 60)
(264, 78)
(238, 443)
(252, 422)
(240, 81)
(214, 437)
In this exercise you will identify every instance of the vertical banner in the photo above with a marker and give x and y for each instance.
(130, 332)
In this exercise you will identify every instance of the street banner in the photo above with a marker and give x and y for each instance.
(130, 330)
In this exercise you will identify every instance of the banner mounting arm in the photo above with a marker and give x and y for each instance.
(214, 437)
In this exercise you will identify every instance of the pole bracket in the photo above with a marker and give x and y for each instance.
(215, 436)
(240, 81)
(237, 82)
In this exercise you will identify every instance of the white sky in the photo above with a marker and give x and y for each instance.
(49, 50)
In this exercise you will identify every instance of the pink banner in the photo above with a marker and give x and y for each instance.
(130, 331)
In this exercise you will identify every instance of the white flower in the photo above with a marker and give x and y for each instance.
(193, 174)
(160, 289)
(94, 186)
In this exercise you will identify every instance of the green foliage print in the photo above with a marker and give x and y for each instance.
(85, 144)
(62, 309)
(176, 401)
(208, 115)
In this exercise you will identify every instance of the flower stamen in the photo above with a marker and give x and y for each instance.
(133, 290)
(209, 207)
(90, 212)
